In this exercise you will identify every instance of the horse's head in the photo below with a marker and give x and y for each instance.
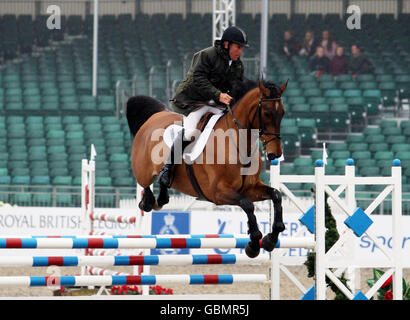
(269, 112)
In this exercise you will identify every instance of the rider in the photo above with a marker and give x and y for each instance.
(212, 75)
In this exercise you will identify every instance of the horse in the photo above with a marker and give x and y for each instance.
(257, 107)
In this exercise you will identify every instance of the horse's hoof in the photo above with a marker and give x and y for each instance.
(145, 206)
(156, 206)
(251, 251)
(268, 244)
(278, 227)
(161, 201)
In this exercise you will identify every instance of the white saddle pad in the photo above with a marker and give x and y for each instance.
(196, 147)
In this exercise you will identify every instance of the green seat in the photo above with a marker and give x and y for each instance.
(327, 85)
(368, 85)
(348, 85)
(124, 182)
(20, 180)
(359, 155)
(290, 140)
(308, 170)
(287, 169)
(372, 99)
(40, 180)
(365, 77)
(371, 130)
(378, 138)
(64, 200)
(55, 134)
(312, 92)
(42, 200)
(301, 162)
(316, 154)
(295, 92)
(363, 199)
(392, 131)
(317, 100)
(300, 111)
(383, 155)
(333, 93)
(296, 100)
(307, 132)
(399, 147)
(321, 113)
(382, 146)
(74, 135)
(124, 157)
(63, 171)
(340, 154)
(103, 181)
(339, 120)
(358, 146)
(365, 162)
(337, 146)
(56, 149)
(21, 199)
(352, 93)
(370, 172)
(343, 77)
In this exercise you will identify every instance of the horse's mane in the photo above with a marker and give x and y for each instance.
(241, 88)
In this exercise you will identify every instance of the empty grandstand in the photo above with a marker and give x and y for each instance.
(48, 117)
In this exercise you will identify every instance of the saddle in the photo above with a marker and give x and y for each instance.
(204, 121)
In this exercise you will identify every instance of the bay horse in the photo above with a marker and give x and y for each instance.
(259, 106)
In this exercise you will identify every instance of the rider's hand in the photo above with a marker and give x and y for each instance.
(225, 98)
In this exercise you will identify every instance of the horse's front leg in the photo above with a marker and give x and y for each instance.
(262, 192)
(232, 197)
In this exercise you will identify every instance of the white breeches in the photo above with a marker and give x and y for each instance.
(191, 121)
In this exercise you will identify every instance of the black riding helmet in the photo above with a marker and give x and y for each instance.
(235, 35)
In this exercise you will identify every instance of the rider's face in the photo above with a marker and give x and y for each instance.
(235, 51)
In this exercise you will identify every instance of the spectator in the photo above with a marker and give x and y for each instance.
(309, 45)
(320, 63)
(328, 44)
(288, 46)
(339, 63)
(359, 63)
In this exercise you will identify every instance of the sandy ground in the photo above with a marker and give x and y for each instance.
(288, 290)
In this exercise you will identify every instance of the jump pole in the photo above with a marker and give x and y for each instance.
(89, 215)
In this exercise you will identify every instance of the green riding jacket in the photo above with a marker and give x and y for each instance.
(209, 75)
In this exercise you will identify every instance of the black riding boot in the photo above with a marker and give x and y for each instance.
(166, 173)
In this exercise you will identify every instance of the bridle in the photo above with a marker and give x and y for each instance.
(261, 126)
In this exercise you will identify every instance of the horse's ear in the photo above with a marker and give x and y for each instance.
(283, 86)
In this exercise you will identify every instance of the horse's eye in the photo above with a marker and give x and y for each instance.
(267, 115)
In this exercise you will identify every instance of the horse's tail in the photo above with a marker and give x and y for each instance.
(139, 109)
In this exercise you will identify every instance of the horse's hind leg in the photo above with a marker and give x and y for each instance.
(148, 200)
(269, 241)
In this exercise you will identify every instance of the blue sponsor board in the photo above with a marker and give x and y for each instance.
(170, 223)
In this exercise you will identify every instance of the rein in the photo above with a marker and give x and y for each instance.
(262, 130)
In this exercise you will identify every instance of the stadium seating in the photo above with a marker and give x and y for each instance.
(48, 118)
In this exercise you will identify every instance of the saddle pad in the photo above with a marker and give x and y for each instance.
(195, 148)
